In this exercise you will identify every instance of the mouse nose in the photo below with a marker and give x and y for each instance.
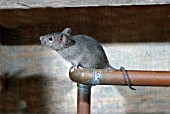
(41, 38)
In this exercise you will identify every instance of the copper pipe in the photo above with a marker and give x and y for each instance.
(115, 77)
(83, 99)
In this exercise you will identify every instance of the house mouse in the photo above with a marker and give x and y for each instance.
(80, 50)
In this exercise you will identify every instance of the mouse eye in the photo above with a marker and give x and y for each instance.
(50, 39)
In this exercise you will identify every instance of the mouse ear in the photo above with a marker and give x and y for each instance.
(67, 31)
(66, 41)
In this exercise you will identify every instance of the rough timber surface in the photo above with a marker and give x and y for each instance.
(8, 4)
(106, 24)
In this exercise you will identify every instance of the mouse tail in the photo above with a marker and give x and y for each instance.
(110, 68)
(125, 75)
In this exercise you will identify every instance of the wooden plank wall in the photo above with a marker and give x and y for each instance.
(136, 37)
(106, 24)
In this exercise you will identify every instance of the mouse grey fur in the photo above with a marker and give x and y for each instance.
(79, 50)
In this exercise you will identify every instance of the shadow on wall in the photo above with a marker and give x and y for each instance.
(30, 94)
(20, 94)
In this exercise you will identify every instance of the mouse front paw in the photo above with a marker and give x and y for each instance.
(73, 68)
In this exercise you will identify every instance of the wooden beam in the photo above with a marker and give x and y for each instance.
(4, 4)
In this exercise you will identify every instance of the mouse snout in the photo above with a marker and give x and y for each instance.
(41, 38)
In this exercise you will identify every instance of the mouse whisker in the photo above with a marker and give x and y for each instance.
(37, 44)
